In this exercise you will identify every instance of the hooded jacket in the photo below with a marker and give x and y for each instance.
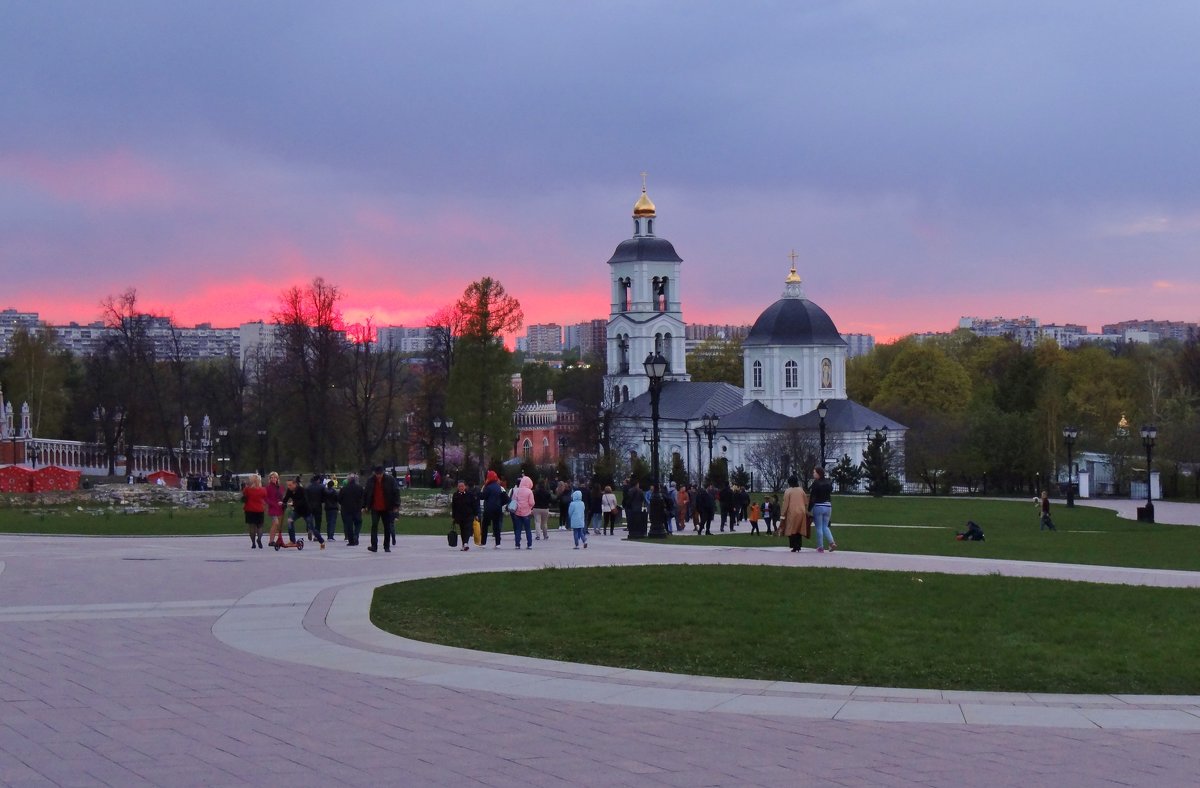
(523, 495)
(576, 511)
(493, 495)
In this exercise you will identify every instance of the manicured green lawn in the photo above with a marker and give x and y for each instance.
(1085, 535)
(819, 625)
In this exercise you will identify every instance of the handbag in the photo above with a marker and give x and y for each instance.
(512, 505)
(478, 531)
(452, 537)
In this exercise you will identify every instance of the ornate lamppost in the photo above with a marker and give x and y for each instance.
(656, 370)
(392, 437)
(822, 412)
(223, 438)
(710, 430)
(443, 425)
(1149, 434)
(1069, 436)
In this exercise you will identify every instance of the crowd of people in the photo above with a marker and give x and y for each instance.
(318, 504)
(478, 512)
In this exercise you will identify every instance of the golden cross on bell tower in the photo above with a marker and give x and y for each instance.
(793, 257)
(643, 180)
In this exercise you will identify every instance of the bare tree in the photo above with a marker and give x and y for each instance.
(375, 385)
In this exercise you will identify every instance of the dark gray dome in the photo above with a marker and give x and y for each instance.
(646, 247)
(794, 321)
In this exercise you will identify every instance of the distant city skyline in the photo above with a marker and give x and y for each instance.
(925, 161)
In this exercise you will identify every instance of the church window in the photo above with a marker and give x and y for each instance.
(667, 343)
(623, 347)
(791, 375)
(756, 373)
(545, 449)
(649, 227)
(625, 393)
(826, 373)
(660, 294)
(616, 394)
(527, 449)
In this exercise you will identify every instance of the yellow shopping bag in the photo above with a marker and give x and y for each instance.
(478, 531)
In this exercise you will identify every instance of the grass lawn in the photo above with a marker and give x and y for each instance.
(1085, 535)
(220, 518)
(819, 625)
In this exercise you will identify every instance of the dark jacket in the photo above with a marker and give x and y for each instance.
(493, 498)
(298, 500)
(391, 493)
(351, 496)
(633, 500)
(330, 497)
(820, 492)
(314, 494)
(462, 507)
(704, 502)
(541, 497)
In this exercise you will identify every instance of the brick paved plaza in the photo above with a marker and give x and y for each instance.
(197, 661)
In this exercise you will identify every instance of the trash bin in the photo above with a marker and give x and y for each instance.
(1145, 514)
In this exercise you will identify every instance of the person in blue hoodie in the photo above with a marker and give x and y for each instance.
(577, 515)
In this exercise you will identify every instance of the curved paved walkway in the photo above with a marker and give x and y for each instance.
(198, 661)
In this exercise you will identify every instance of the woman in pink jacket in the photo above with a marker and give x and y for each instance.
(275, 508)
(522, 496)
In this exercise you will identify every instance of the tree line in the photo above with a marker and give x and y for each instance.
(988, 414)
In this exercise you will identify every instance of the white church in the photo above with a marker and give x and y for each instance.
(794, 359)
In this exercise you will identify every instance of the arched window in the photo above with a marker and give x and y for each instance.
(616, 394)
(623, 349)
(545, 450)
(791, 375)
(649, 227)
(667, 344)
(625, 393)
(826, 373)
(756, 375)
(660, 294)
(527, 449)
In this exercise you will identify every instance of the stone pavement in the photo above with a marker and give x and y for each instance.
(200, 662)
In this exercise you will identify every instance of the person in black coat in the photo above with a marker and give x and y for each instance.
(381, 497)
(462, 512)
(706, 509)
(725, 498)
(329, 497)
(494, 499)
(634, 504)
(314, 495)
(350, 497)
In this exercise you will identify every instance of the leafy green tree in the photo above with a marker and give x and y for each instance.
(37, 373)
(718, 472)
(679, 473)
(717, 361)
(480, 394)
(740, 477)
(878, 460)
(924, 377)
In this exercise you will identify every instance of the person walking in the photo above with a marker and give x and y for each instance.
(275, 508)
(725, 498)
(820, 501)
(577, 517)
(770, 510)
(329, 497)
(595, 507)
(462, 513)
(314, 495)
(350, 499)
(254, 506)
(541, 510)
(634, 504)
(753, 515)
(522, 495)
(706, 510)
(683, 505)
(1045, 523)
(493, 507)
(608, 507)
(382, 498)
(793, 514)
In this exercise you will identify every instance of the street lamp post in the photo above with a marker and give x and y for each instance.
(443, 426)
(392, 438)
(1069, 436)
(223, 437)
(822, 412)
(1149, 433)
(710, 430)
(656, 370)
(262, 452)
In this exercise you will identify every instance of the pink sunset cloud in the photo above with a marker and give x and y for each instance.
(105, 180)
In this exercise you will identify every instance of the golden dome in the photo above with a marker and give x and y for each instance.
(793, 277)
(643, 207)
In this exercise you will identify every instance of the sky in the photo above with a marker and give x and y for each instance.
(925, 160)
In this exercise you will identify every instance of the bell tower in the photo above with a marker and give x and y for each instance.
(646, 316)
